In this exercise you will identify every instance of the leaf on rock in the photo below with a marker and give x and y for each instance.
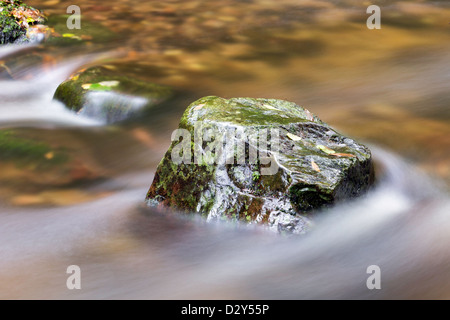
(199, 106)
(315, 166)
(99, 87)
(309, 115)
(293, 137)
(342, 155)
(325, 149)
(270, 107)
(112, 83)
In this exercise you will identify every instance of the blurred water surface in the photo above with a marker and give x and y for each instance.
(72, 189)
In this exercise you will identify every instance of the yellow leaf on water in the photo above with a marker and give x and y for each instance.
(293, 137)
(71, 36)
(315, 166)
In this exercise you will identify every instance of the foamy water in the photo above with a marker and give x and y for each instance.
(128, 251)
(30, 102)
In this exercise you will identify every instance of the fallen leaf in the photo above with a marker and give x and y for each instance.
(342, 155)
(111, 83)
(325, 149)
(199, 106)
(99, 87)
(315, 166)
(49, 155)
(86, 37)
(270, 107)
(293, 137)
(309, 115)
(109, 67)
(71, 36)
(86, 86)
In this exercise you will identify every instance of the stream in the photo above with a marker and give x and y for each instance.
(72, 189)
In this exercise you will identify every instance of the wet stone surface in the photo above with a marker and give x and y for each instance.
(260, 161)
(105, 94)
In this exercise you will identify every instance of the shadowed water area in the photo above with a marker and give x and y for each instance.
(72, 189)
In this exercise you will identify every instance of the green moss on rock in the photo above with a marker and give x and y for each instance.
(10, 29)
(15, 19)
(120, 95)
(315, 165)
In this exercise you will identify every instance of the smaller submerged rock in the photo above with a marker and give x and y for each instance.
(258, 160)
(104, 94)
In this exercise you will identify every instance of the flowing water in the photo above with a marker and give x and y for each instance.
(72, 189)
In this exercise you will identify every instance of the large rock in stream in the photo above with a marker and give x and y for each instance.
(258, 160)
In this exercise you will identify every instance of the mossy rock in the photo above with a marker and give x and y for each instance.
(301, 164)
(16, 20)
(106, 94)
(27, 152)
(35, 161)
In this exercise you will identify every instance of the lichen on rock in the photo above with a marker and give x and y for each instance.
(258, 160)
